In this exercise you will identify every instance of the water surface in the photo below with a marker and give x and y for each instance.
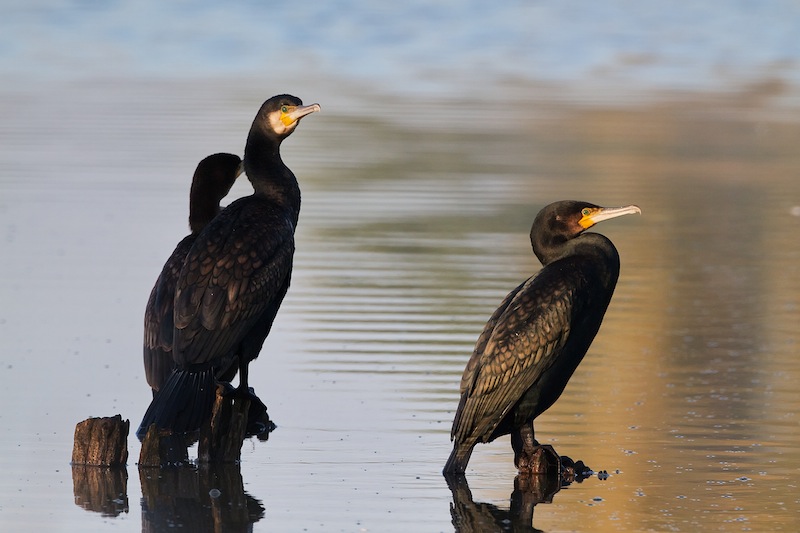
(409, 238)
(420, 180)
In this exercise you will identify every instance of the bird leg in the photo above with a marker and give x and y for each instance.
(258, 421)
(530, 457)
(523, 443)
(242, 390)
(243, 367)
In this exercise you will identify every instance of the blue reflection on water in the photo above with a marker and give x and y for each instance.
(410, 44)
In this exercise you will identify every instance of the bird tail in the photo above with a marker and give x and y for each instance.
(457, 463)
(182, 404)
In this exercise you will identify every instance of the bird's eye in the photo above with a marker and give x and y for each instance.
(585, 211)
(284, 109)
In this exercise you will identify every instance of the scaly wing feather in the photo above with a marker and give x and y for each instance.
(158, 317)
(230, 278)
(521, 341)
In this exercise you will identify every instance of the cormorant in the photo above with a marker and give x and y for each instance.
(234, 278)
(213, 179)
(535, 340)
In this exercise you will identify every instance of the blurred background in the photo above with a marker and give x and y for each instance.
(445, 127)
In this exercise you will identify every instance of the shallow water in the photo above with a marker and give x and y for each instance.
(409, 238)
(420, 180)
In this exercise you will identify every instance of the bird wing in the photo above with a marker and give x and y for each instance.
(158, 317)
(520, 342)
(468, 378)
(234, 273)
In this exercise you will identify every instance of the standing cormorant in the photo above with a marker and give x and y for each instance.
(212, 181)
(537, 337)
(234, 278)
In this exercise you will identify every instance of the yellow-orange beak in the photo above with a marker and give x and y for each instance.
(294, 113)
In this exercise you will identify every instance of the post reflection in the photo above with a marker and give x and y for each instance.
(204, 498)
(100, 489)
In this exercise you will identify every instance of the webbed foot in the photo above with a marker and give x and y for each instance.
(539, 459)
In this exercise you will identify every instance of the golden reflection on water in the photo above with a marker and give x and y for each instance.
(685, 394)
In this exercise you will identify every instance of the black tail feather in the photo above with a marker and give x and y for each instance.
(457, 463)
(182, 404)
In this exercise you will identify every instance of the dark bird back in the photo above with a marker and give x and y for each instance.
(535, 340)
(234, 277)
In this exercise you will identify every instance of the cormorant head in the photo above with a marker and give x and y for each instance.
(219, 172)
(212, 181)
(280, 114)
(562, 221)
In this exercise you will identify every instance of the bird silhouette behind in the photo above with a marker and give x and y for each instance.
(212, 180)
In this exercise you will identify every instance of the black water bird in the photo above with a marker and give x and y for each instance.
(535, 340)
(212, 180)
(234, 278)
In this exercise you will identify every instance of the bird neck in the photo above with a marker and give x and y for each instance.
(265, 169)
(204, 198)
(586, 244)
(201, 212)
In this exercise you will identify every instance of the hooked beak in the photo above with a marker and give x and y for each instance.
(606, 213)
(298, 112)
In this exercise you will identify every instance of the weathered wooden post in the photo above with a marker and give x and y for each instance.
(222, 436)
(101, 442)
(162, 448)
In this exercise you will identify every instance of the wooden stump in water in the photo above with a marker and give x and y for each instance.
(162, 448)
(101, 442)
(222, 436)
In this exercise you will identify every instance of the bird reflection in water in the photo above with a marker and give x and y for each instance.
(199, 499)
(530, 490)
(206, 498)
